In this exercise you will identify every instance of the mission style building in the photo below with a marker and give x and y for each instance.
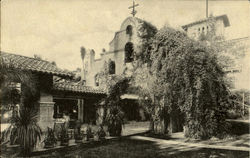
(120, 55)
(119, 59)
(122, 50)
(59, 93)
(122, 47)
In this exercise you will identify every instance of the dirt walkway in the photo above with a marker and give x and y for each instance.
(185, 145)
(241, 143)
(134, 127)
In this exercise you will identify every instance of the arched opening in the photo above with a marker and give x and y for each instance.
(129, 52)
(111, 67)
(129, 30)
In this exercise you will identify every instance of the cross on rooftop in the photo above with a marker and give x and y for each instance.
(133, 8)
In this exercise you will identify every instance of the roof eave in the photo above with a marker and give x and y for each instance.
(81, 92)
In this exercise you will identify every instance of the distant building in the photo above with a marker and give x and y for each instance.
(237, 50)
(195, 29)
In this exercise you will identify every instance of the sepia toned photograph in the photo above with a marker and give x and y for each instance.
(125, 78)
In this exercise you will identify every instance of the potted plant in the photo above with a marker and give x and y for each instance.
(11, 134)
(77, 133)
(89, 133)
(100, 133)
(50, 139)
(114, 121)
(64, 138)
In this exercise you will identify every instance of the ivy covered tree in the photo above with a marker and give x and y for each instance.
(146, 32)
(185, 81)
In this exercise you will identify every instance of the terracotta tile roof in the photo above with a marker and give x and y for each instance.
(223, 17)
(33, 64)
(76, 87)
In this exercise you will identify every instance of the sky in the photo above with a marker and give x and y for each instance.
(56, 29)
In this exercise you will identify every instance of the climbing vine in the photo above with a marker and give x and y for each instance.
(186, 78)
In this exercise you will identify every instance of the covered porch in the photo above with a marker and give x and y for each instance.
(77, 101)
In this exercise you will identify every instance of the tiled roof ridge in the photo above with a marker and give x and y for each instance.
(76, 87)
(33, 64)
(25, 56)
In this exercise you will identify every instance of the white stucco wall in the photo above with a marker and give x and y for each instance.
(116, 52)
(195, 30)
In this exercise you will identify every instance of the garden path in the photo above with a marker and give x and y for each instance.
(183, 144)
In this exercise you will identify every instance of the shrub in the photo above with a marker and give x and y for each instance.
(77, 132)
(50, 139)
(64, 138)
(115, 120)
(100, 132)
(89, 133)
(25, 130)
(113, 113)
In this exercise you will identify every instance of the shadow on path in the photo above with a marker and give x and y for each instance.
(128, 147)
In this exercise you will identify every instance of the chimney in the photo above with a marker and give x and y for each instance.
(83, 53)
(92, 57)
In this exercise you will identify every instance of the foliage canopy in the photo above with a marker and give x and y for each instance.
(186, 78)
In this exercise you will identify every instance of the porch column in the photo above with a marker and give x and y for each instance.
(46, 111)
(46, 104)
(80, 105)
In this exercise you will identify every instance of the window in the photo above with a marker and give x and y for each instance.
(129, 51)
(96, 80)
(111, 67)
(129, 30)
(199, 31)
